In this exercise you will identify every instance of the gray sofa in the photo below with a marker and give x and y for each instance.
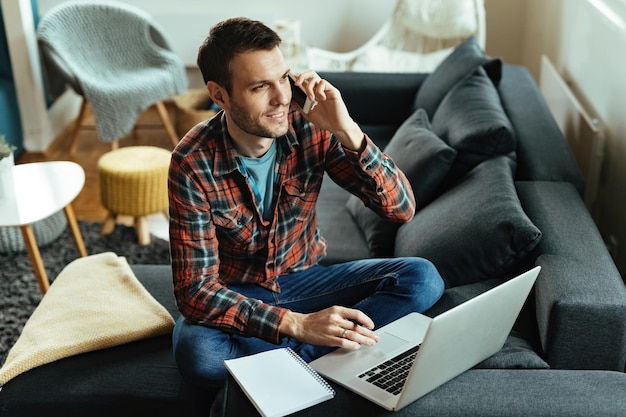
(498, 192)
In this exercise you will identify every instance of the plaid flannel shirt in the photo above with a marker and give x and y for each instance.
(218, 235)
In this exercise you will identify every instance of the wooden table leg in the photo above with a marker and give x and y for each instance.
(35, 257)
(78, 238)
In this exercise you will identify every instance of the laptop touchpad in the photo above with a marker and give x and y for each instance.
(388, 342)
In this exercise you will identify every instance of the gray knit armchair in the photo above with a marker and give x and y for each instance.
(116, 57)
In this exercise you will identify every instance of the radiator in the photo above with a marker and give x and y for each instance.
(582, 130)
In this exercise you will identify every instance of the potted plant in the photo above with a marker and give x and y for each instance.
(5, 148)
(6, 169)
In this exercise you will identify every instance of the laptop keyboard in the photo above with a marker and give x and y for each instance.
(391, 375)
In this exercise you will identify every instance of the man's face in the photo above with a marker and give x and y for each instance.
(259, 101)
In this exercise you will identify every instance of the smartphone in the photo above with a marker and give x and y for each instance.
(299, 96)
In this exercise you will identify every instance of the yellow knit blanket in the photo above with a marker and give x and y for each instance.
(96, 302)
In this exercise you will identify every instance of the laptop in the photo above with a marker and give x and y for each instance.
(431, 351)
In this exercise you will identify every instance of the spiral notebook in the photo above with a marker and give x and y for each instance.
(279, 382)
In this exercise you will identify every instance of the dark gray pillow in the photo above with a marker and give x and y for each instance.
(425, 160)
(465, 58)
(471, 119)
(474, 231)
(517, 353)
(379, 233)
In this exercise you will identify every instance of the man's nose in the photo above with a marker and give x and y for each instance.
(282, 94)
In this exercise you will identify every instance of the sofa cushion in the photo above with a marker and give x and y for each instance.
(476, 230)
(463, 60)
(338, 227)
(143, 373)
(103, 282)
(471, 119)
(425, 160)
(478, 392)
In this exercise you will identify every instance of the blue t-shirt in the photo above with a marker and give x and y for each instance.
(261, 176)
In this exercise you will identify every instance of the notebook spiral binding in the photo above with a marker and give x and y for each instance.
(312, 371)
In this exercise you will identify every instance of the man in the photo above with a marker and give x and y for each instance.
(244, 239)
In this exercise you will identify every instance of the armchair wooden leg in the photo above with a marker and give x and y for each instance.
(165, 118)
(77, 126)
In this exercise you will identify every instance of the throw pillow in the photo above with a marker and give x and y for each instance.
(471, 119)
(379, 233)
(425, 160)
(463, 60)
(474, 231)
(517, 353)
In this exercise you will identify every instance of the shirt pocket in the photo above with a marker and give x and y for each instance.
(299, 197)
(234, 225)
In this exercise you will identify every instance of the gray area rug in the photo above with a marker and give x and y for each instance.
(19, 290)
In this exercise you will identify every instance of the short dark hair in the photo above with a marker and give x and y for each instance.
(227, 39)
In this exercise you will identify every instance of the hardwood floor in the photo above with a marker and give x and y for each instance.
(87, 206)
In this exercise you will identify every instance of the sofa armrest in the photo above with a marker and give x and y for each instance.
(580, 295)
(542, 151)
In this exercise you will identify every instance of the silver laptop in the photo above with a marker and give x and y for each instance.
(431, 351)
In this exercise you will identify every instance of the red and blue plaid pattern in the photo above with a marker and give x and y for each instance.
(218, 236)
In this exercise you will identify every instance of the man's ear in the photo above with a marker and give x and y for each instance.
(218, 94)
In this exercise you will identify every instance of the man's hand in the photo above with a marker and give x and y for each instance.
(330, 112)
(335, 326)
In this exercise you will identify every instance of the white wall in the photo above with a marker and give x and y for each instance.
(586, 40)
(505, 29)
(338, 25)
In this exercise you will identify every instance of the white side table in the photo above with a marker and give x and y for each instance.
(42, 189)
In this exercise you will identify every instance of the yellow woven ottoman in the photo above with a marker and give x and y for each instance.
(133, 182)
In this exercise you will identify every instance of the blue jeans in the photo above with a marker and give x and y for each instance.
(384, 289)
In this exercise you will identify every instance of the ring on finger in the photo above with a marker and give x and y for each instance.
(343, 335)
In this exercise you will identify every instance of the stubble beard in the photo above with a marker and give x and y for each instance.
(252, 126)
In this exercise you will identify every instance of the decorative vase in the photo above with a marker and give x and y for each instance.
(7, 186)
